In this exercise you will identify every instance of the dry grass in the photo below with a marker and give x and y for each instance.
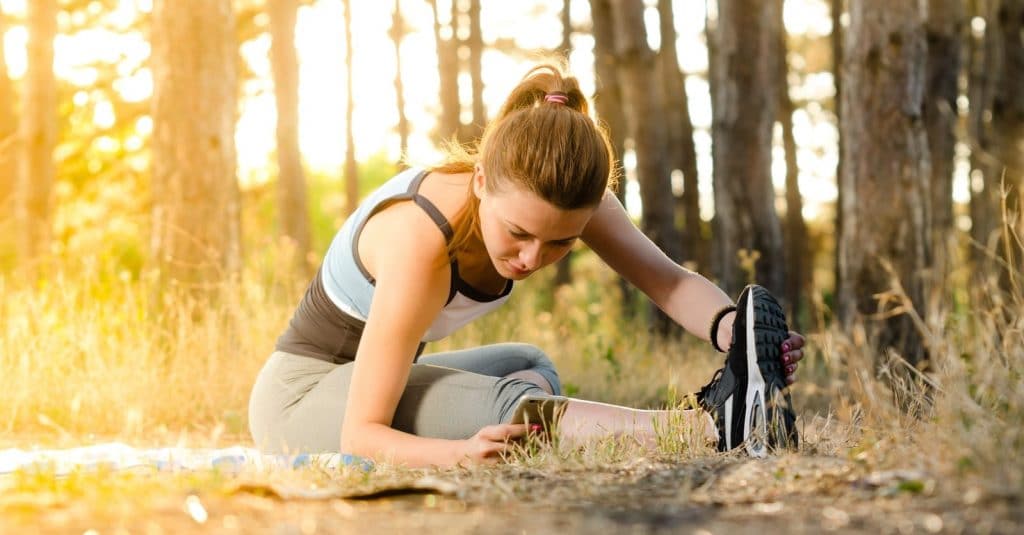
(88, 356)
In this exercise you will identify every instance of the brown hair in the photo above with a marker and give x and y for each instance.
(551, 147)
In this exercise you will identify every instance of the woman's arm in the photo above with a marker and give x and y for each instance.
(687, 297)
(407, 256)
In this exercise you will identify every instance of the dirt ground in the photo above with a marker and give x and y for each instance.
(724, 494)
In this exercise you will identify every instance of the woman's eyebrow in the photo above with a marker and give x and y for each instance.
(519, 230)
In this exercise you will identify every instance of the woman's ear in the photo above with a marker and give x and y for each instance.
(479, 181)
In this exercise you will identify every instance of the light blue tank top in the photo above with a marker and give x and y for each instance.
(350, 287)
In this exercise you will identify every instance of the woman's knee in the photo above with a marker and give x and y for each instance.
(539, 362)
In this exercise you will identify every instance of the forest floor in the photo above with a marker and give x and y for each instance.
(803, 492)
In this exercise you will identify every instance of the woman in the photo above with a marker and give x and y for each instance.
(432, 249)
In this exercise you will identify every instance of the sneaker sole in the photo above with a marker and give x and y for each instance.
(764, 409)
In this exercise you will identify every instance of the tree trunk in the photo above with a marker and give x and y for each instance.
(1008, 124)
(196, 220)
(984, 66)
(798, 258)
(744, 91)
(886, 175)
(38, 134)
(944, 30)
(565, 48)
(351, 169)
(644, 113)
(608, 103)
(8, 139)
(838, 7)
(448, 71)
(475, 44)
(563, 272)
(293, 211)
(398, 32)
(682, 153)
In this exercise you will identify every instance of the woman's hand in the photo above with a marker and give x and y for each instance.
(487, 445)
(792, 352)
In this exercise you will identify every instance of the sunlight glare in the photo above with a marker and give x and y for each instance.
(144, 125)
(14, 7)
(137, 87)
(807, 17)
(15, 42)
(103, 114)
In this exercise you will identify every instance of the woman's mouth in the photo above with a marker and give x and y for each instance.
(518, 270)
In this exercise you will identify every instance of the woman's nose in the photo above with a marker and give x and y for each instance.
(530, 256)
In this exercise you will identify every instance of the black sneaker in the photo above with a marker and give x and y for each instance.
(748, 396)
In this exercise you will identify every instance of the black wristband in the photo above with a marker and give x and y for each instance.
(714, 326)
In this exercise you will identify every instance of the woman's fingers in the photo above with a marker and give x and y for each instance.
(792, 353)
(502, 432)
(795, 340)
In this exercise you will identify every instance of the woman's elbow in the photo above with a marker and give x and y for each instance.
(353, 438)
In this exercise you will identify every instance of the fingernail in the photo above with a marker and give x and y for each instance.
(785, 346)
(785, 359)
(535, 427)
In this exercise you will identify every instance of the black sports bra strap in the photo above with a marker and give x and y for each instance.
(439, 219)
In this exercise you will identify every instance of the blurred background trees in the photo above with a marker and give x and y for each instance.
(829, 150)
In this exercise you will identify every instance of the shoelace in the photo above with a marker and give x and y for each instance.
(710, 386)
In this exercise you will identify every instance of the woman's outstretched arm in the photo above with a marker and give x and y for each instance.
(687, 297)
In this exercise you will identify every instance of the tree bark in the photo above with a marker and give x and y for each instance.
(398, 32)
(644, 114)
(448, 71)
(944, 30)
(196, 220)
(351, 169)
(608, 102)
(1008, 124)
(475, 44)
(563, 271)
(838, 7)
(38, 135)
(8, 137)
(886, 176)
(682, 153)
(293, 210)
(744, 90)
(983, 74)
(798, 258)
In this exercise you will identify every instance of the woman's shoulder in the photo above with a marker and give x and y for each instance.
(402, 232)
(446, 191)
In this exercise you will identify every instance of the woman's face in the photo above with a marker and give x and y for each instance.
(521, 231)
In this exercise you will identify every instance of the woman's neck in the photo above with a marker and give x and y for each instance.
(476, 268)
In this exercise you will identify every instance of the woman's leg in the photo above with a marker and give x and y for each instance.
(298, 403)
(583, 420)
(511, 360)
(587, 420)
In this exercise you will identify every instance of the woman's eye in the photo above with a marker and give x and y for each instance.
(518, 235)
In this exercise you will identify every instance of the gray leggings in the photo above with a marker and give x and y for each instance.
(298, 403)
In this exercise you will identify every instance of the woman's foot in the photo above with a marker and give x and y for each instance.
(747, 396)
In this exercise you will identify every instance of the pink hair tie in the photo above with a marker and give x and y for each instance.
(557, 98)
